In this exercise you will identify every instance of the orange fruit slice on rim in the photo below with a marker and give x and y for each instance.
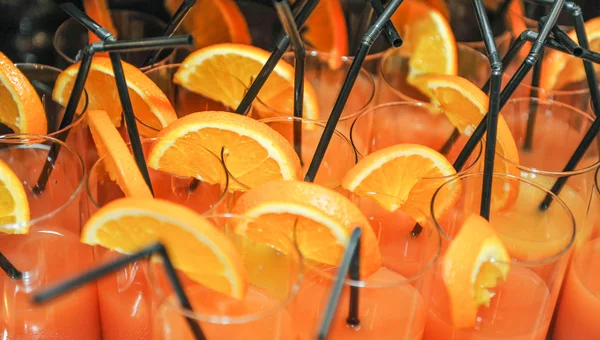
(474, 262)
(118, 161)
(325, 30)
(20, 106)
(14, 210)
(194, 244)
(320, 220)
(409, 172)
(223, 73)
(214, 21)
(150, 104)
(465, 105)
(254, 153)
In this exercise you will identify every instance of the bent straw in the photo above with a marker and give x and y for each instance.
(365, 45)
(10, 268)
(389, 30)
(287, 20)
(350, 259)
(172, 26)
(143, 44)
(283, 42)
(110, 267)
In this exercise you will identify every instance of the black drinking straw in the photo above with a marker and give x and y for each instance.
(176, 19)
(349, 265)
(389, 30)
(365, 45)
(287, 21)
(10, 268)
(533, 105)
(283, 42)
(110, 267)
(516, 79)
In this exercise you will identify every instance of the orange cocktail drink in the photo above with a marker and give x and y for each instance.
(49, 251)
(537, 244)
(274, 271)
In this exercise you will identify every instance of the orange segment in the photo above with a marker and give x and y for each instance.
(150, 104)
(213, 22)
(325, 30)
(14, 207)
(320, 220)
(560, 69)
(409, 172)
(465, 105)
(20, 106)
(223, 72)
(254, 152)
(118, 161)
(99, 12)
(474, 262)
(194, 244)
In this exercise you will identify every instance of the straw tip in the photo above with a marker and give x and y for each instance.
(397, 42)
(38, 299)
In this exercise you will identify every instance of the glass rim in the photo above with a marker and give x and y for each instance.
(214, 319)
(31, 140)
(345, 59)
(596, 184)
(555, 198)
(550, 102)
(79, 117)
(146, 16)
(428, 106)
(313, 265)
(101, 160)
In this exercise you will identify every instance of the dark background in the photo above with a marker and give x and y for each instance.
(27, 26)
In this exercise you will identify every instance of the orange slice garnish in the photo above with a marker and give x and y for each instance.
(118, 161)
(325, 31)
(150, 104)
(14, 207)
(195, 245)
(99, 12)
(20, 106)
(222, 72)
(465, 105)
(254, 152)
(320, 220)
(474, 262)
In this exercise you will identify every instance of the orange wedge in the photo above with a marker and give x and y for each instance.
(320, 220)
(150, 104)
(14, 207)
(441, 6)
(118, 161)
(223, 72)
(195, 245)
(325, 30)
(254, 152)
(410, 173)
(20, 106)
(474, 262)
(465, 105)
(428, 40)
(99, 12)
(560, 69)
(213, 22)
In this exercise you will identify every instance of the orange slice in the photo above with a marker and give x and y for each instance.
(254, 152)
(99, 12)
(441, 6)
(474, 262)
(428, 40)
(214, 21)
(320, 221)
(20, 106)
(150, 104)
(195, 245)
(223, 72)
(118, 161)
(325, 30)
(560, 69)
(14, 207)
(409, 172)
(465, 105)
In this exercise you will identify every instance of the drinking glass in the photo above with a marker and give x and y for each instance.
(393, 300)
(327, 83)
(558, 130)
(274, 267)
(538, 243)
(71, 37)
(124, 296)
(51, 251)
(394, 68)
